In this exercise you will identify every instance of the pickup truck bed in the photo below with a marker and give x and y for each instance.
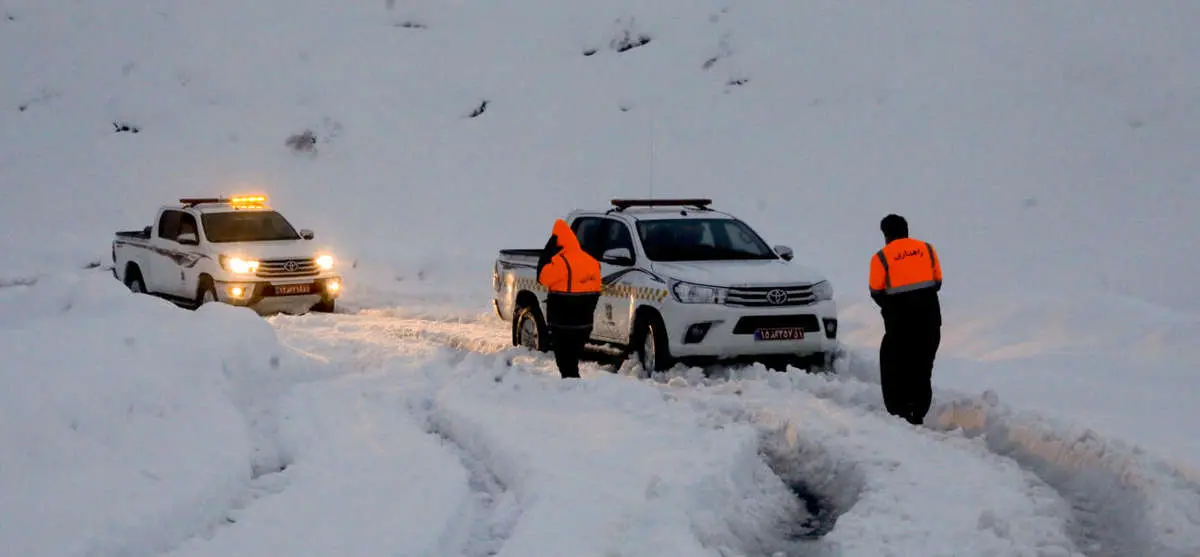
(143, 234)
(521, 253)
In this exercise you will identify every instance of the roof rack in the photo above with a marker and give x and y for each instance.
(238, 201)
(699, 203)
(189, 202)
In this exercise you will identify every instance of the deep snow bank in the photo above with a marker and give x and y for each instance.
(120, 425)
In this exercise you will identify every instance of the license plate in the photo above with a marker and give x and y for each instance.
(292, 289)
(789, 333)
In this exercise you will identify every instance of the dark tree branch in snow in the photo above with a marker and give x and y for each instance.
(119, 127)
(478, 110)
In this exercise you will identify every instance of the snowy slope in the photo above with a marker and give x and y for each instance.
(1047, 150)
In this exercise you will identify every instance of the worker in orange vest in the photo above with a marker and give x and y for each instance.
(906, 276)
(573, 279)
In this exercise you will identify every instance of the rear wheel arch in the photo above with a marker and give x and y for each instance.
(525, 299)
(134, 273)
(525, 308)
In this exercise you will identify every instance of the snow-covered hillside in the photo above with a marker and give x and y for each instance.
(1046, 149)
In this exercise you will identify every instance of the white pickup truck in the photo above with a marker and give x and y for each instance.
(682, 282)
(235, 250)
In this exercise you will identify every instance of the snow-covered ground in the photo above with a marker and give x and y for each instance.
(1046, 149)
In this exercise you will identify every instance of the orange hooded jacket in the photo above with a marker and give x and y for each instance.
(571, 270)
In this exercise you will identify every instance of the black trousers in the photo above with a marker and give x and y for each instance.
(568, 344)
(906, 358)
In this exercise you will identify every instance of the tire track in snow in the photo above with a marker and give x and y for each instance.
(498, 511)
(496, 508)
(887, 484)
(380, 341)
(803, 463)
(1124, 503)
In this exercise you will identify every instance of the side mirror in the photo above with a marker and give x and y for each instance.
(188, 239)
(306, 234)
(785, 252)
(620, 257)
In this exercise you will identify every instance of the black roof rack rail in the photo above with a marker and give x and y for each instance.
(189, 202)
(699, 203)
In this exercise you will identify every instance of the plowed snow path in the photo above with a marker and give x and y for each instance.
(439, 438)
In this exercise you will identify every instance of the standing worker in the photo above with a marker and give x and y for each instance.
(573, 278)
(906, 276)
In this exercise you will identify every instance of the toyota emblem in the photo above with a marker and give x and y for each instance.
(777, 297)
(290, 266)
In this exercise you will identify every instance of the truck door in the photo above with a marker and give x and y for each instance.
(161, 275)
(618, 308)
(171, 259)
(596, 236)
(185, 262)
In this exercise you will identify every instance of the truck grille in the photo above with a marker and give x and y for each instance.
(276, 268)
(771, 296)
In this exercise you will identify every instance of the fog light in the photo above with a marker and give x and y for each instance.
(333, 286)
(830, 328)
(696, 333)
(236, 291)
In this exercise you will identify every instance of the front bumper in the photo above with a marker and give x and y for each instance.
(280, 294)
(721, 331)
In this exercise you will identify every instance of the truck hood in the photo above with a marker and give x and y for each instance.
(283, 249)
(776, 272)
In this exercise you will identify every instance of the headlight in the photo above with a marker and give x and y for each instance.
(823, 290)
(238, 265)
(689, 293)
(325, 262)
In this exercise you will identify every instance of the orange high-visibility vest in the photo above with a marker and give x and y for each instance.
(572, 270)
(905, 265)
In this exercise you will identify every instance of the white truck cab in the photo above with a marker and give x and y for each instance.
(236, 250)
(682, 281)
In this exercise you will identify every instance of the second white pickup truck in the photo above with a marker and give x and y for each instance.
(682, 282)
(235, 250)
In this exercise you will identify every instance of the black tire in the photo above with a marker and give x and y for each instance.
(206, 292)
(651, 347)
(325, 306)
(134, 281)
(529, 329)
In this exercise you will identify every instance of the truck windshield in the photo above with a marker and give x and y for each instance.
(250, 226)
(701, 240)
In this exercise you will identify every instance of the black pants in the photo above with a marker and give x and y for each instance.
(906, 360)
(568, 344)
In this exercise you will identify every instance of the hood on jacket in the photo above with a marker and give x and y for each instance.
(564, 236)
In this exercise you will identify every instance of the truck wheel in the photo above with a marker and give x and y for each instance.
(206, 293)
(324, 306)
(529, 330)
(134, 281)
(652, 349)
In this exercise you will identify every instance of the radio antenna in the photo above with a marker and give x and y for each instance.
(651, 153)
